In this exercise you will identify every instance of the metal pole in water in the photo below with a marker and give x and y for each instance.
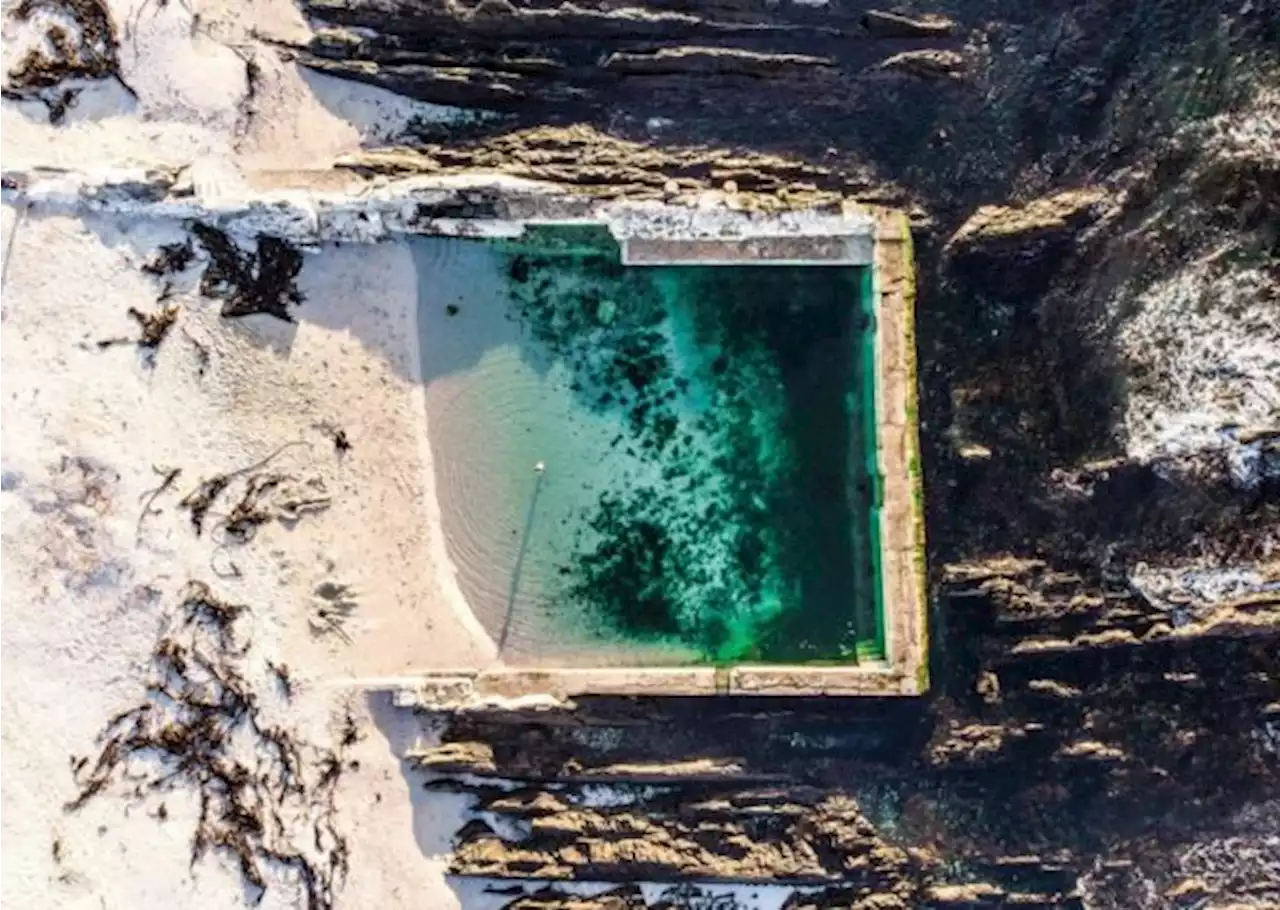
(540, 470)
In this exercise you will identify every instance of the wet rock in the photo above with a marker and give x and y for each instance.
(628, 897)
(882, 24)
(1007, 251)
(710, 60)
(969, 897)
(832, 841)
(456, 758)
(927, 64)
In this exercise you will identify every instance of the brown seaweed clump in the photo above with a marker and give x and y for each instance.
(266, 796)
(265, 282)
(80, 43)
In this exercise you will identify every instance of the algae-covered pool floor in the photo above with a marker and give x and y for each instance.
(663, 465)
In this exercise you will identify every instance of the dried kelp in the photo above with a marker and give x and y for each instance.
(266, 795)
(264, 282)
(79, 43)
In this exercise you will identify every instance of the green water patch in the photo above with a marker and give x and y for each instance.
(744, 396)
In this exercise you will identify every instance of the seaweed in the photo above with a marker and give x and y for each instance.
(341, 442)
(201, 499)
(169, 477)
(153, 329)
(80, 43)
(201, 351)
(266, 497)
(270, 807)
(216, 617)
(170, 259)
(251, 511)
(154, 326)
(265, 282)
(283, 677)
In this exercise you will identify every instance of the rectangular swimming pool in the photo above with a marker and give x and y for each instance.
(658, 465)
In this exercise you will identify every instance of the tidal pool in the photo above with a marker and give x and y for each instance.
(653, 465)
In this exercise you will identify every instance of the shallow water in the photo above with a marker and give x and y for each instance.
(653, 465)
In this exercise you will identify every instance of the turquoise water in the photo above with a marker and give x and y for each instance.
(721, 422)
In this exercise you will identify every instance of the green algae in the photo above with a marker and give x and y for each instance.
(751, 535)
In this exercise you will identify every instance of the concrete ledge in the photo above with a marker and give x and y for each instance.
(504, 686)
(314, 207)
(902, 542)
(782, 250)
(809, 680)
(904, 671)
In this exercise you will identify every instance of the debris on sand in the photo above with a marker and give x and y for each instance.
(79, 42)
(153, 328)
(341, 442)
(265, 282)
(201, 499)
(332, 606)
(170, 259)
(266, 795)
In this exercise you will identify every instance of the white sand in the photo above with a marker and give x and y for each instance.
(82, 427)
(78, 621)
(85, 593)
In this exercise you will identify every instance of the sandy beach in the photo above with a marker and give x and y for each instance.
(296, 447)
(91, 574)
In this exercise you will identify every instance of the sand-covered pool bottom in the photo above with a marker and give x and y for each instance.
(652, 466)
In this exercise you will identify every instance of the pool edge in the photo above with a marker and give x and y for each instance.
(903, 583)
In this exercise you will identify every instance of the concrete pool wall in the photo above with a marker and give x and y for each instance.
(664, 464)
(416, 632)
(895, 662)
